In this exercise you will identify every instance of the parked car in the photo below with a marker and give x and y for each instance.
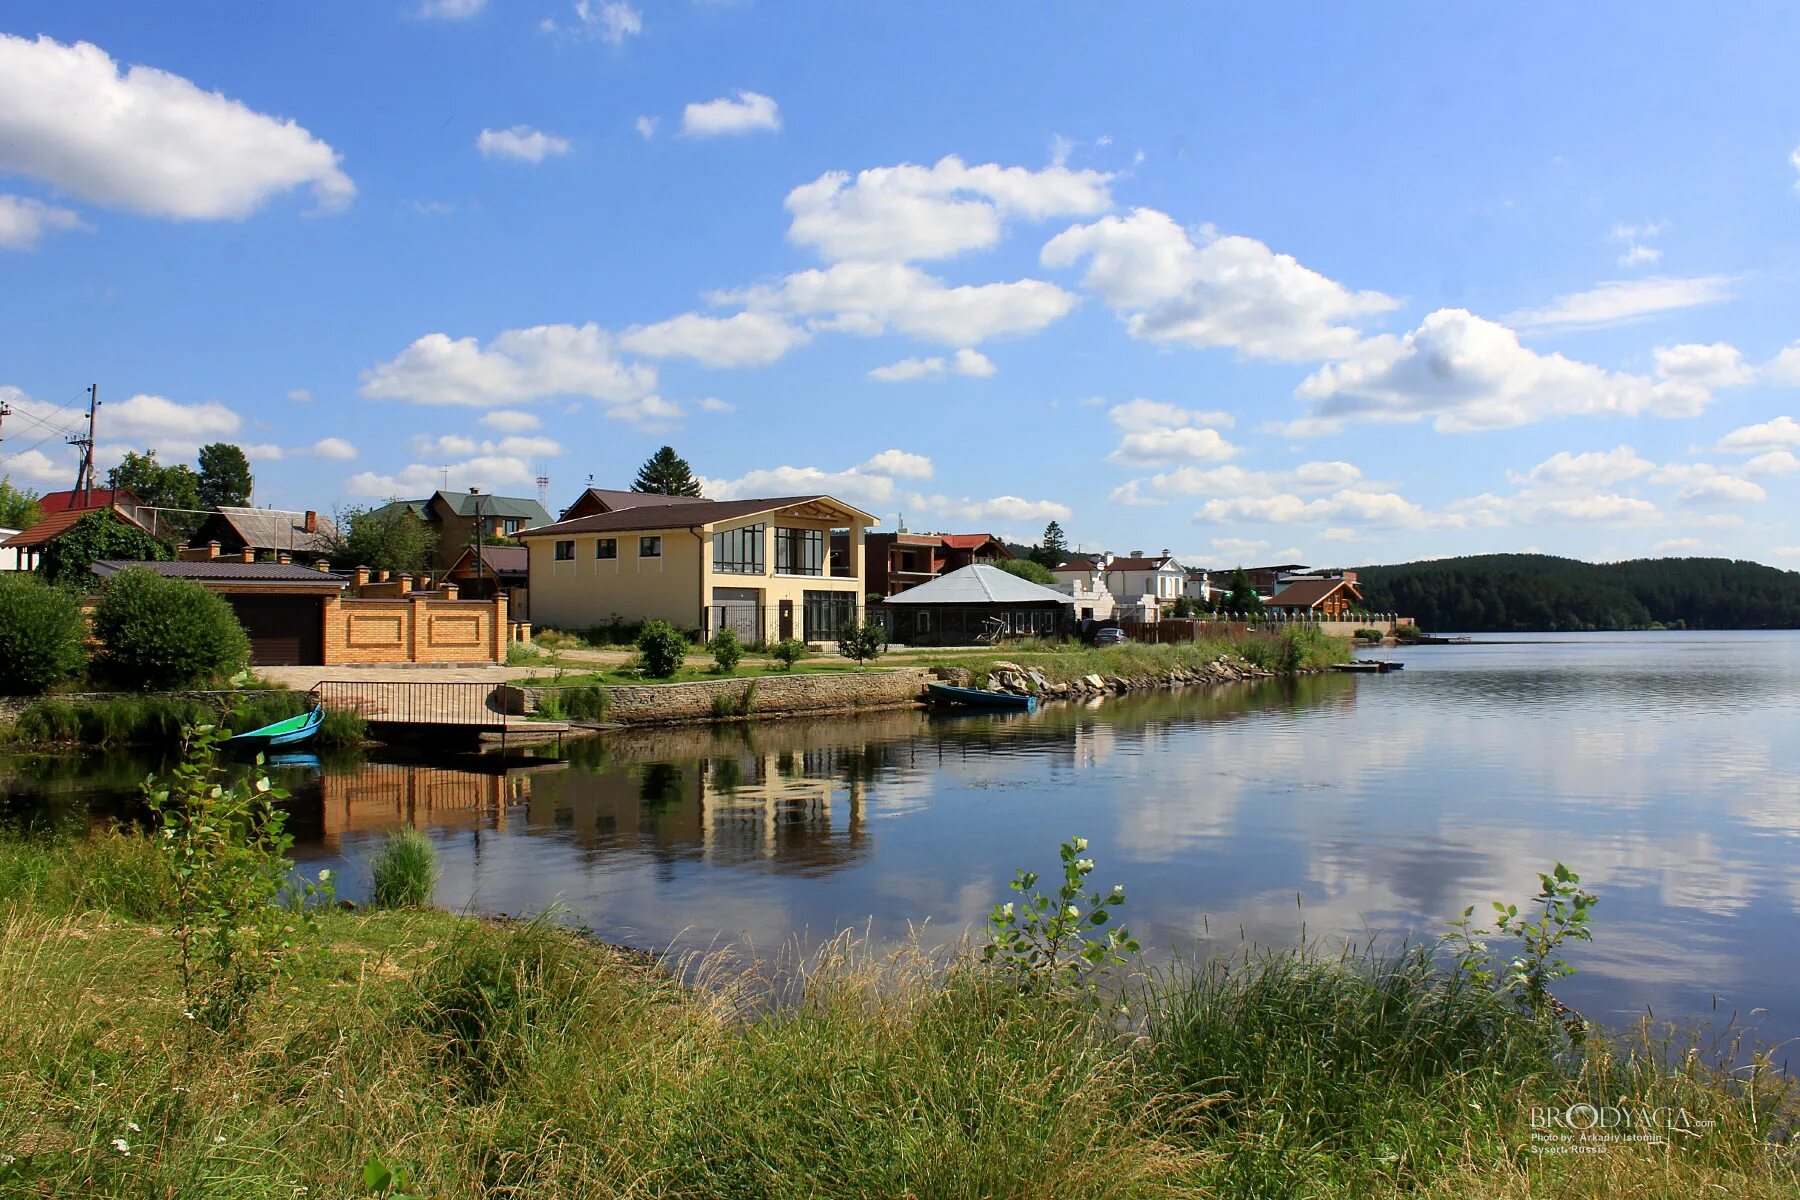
(1112, 635)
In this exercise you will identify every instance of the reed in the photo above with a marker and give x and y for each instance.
(404, 871)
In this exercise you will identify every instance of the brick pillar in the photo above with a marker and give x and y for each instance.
(332, 636)
(249, 554)
(413, 634)
(362, 578)
(500, 631)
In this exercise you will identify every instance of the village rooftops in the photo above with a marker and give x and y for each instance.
(595, 501)
(979, 583)
(467, 504)
(1077, 564)
(54, 526)
(696, 514)
(1139, 563)
(51, 503)
(269, 529)
(1310, 593)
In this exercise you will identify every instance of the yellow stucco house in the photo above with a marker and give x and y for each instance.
(763, 567)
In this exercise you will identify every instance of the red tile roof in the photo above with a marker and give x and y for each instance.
(967, 541)
(51, 503)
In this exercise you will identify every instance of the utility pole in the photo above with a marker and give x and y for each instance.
(5, 412)
(84, 474)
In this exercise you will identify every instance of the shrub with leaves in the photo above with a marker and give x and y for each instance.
(1052, 938)
(225, 847)
(100, 534)
(404, 871)
(862, 641)
(787, 652)
(158, 633)
(41, 635)
(727, 650)
(662, 647)
(1566, 914)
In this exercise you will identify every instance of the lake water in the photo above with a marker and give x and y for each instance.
(1664, 767)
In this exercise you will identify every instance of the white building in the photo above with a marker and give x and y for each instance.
(1084, 581)
(9, 559)
(1159, 577)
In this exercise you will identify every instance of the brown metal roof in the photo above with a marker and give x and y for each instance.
(1076, 564)
(1137, 564)
(618, 499)
(225, 570)
(1309, 593)
(501, 560)
(57, 524)
(679, 516)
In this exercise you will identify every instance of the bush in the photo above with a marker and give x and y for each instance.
(662, 648)
(1024, 568)
(788, 651)
(41, 635)
(405, 871)
(1369, 635)
(727, 650)
(862, 641)
(158, 632)
(587, 703)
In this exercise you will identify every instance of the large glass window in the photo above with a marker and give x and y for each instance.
(739, 551)
(826, 613)
(606, 548)
(565, 551)
(799, 551)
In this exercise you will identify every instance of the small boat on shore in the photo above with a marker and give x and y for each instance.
(1370, 666)
(281, 735)
(943, 693)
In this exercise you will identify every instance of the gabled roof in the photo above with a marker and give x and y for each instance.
(1309, 593)
(463, 504)
(971, 541)
(979, 583)
(1141, 564)
(617, 499)
(271, 529)
(225, 570)
(500, 560)
(51, 503)
(53, 527)
(692, 514)
(1076, 564)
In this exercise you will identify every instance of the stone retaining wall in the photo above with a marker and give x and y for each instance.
(775, 696)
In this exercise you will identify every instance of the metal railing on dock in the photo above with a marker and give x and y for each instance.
(382, 702)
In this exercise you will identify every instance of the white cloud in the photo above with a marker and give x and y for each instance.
(610, 21)
(517, 367)
(490, 473)
(521, 143)
(450, 10)
(907, 212)
(1702, 483)
(333, 447)
(1777, 434)
(646, 127)
(23, 221)
(1638, 251)
(1713, 366)
(1157, 447)
(34, 466)
(1678, 546)
(1596, 468)
(1597, 508)
(1308, 478)
(510, 420)
(878, 485)
(164, 424)
(1794, 158)
(147, 141)
(1131, 494)
(1775, 462)
(1637, 256)
(899, 464)
(713, 404)
(1224, 291)
(1469, 373)
(1000, 508)
(750, 112)
(746, 339)
(1624, 300)
(1785, 367)
(1238, 548)
(972, 363)
(870, 298)
(1141, 414)
(1388, 509)
(300, 396)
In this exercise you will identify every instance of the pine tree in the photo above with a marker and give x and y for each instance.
(1054, 551)
(224, 475)
(1243, 597)
(666, 473)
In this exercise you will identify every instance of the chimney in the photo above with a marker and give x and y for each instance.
(323, 564)
(249, 554)
(1136, 554)
(474, 491)
(312, 521)
(405, 584)
(284, 558)
(450, 591)
(362, 578)
(212, 548)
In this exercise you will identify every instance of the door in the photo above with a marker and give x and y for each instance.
(284, 631)
(738, 609)
(787, 619)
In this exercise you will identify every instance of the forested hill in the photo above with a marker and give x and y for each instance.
(1518, 592)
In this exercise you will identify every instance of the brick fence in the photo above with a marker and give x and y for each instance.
(415, 629)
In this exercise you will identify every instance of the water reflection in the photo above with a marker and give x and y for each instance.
(1661, 766)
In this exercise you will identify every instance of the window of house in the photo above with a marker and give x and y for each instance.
(565, 551)
(825, 613)
(650, 547)
(799, 551)
(739, 551)
(606, 548)
(922, 621)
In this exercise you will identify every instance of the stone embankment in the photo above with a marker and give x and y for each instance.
(763, 696)
(1020, 680)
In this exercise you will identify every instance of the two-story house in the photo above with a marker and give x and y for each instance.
(762, 567)
(455, 516)
(1136, 574)
(894, 562)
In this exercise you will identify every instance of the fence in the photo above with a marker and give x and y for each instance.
(468, 705)
(813, 620)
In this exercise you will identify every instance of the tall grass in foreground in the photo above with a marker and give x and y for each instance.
(516, 1059)
(157, 720)
(405, 870)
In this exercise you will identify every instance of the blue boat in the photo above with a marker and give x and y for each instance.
(943, 693)
(286, 734)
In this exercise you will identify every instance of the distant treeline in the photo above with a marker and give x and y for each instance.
(1517, 592)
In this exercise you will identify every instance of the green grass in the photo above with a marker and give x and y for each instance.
(404, 870)
(157, 720)
(1286, 651)
(748, 669)
(515, 1059)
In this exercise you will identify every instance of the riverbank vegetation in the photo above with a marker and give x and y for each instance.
(157, 720)
(1526, 592)
(1282, 651)
(485, 1058)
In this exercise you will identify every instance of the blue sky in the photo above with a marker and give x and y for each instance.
(1253, 283)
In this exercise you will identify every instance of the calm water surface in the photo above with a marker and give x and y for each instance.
(1663, 767)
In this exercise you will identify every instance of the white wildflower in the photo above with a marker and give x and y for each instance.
(1086, 864)
(1118, 889)
(1079, 843)
(122, 1146)
(133, 1126)
(1071, 911)
(219, 1140)
(1006, 910)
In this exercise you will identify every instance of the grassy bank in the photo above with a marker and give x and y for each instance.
(489, 1059)
(1285, 652)
(157, 720)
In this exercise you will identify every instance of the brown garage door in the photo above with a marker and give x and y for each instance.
(284, 631)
